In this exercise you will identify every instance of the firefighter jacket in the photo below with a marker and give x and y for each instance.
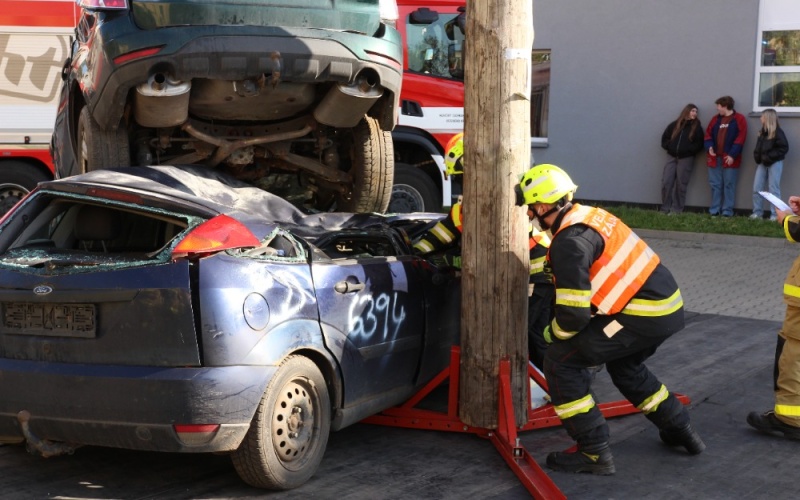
(539, 244)
(445, 233)
(602, 267)
(791, 287)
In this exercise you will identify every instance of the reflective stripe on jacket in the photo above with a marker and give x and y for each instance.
(538, 244)
(445, 233)
(623, 267)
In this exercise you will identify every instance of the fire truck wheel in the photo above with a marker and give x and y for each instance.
(413, 191)
(16, 180)
(99, 148)
(369, 158)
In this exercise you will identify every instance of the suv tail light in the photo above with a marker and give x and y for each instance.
(389, 13)
(216, 235)
(103, 4)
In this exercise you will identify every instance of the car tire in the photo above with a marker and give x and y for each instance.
(371, 159)
(99, 148)
(413, 191)
(16, 180)
(289, 432)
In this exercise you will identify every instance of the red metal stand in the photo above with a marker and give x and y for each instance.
(504, 438)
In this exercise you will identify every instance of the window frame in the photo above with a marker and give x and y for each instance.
(767, 23)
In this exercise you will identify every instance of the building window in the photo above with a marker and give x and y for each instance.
(777, 83)
(540, 94)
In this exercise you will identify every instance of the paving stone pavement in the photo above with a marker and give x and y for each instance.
(735, 276)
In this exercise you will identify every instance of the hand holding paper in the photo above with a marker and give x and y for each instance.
(777, 202)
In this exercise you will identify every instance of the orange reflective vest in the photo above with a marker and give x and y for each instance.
(537, 238)
(623, 267)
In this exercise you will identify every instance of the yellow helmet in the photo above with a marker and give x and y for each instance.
(454, 155)
(544, 184)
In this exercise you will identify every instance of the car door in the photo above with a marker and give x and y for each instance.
(371, 312)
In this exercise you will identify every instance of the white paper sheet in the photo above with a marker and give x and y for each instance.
(777, 202)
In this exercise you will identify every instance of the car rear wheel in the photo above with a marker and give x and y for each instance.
(16, 180)
(413, 191)
(99, 148)
(289, 432)
(371, 157)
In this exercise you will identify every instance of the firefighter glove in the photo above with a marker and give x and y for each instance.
(547, 335)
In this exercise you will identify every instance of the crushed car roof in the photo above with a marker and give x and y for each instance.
(222, 193)
(200, 185)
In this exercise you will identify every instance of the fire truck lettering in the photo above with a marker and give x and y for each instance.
(40, 68)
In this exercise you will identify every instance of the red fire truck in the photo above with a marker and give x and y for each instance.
(431, 103)
(34, 43)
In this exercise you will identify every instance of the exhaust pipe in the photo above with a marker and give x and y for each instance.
(161, 102)
(345, 105)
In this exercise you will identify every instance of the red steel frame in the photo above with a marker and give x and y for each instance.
(504, 438)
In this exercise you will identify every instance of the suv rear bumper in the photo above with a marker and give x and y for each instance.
(129, 407)
(235, 53)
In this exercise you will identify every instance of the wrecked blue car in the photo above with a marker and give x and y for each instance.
(176, 309)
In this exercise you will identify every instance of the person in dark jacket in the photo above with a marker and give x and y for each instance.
(682, 139)
(769, 153)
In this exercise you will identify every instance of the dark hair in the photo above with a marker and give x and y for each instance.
(682, 119)
(725, 101)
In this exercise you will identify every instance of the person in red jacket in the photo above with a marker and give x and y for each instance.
(724, 140)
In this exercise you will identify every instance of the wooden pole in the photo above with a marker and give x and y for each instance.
(495, 262)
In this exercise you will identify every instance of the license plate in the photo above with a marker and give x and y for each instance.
(57, 320)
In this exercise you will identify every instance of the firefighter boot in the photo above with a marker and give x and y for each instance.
(684, 436)
(769, 423)
(595, 459)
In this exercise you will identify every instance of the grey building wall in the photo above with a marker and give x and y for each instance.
(621, 70)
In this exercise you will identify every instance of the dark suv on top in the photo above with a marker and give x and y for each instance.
(298, 98)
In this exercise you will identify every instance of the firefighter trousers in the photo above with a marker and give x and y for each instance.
(623, 343)
(787, 381)
(540, 313)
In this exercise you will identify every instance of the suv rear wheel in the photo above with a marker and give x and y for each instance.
(98, 148)
(372, 167)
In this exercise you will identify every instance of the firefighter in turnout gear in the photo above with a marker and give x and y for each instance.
(784, 418)
(615, 304)
(444, 239)
(445, 236)
(541, 295)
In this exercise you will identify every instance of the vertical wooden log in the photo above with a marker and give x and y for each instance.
(494, 245)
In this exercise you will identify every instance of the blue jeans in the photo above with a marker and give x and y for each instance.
(766, 179)
(723, 188)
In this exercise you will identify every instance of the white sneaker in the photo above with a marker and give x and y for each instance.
(755, 216)
(773, 217)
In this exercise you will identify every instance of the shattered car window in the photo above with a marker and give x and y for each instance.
(59, 231)
(350, 246)
(278, 245)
